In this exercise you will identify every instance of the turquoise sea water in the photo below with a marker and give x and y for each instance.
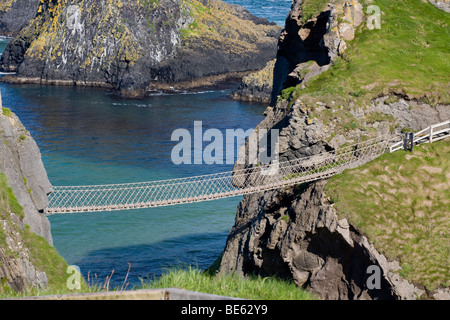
(274, 10)
(89, 136)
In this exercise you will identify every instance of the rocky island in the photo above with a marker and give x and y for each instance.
(136, 46)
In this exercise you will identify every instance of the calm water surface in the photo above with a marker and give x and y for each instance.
(274, 10)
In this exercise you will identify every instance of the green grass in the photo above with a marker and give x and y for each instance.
(401, 202)
(409, 56)
(312, 7)
(252, 287)
(7, 112)
(8, 202)
(43, 256)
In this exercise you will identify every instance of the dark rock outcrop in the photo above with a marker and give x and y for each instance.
(297, 233)
(133, 46)
(441, 4)
(256, 87)
(16, 14)
(307, 48)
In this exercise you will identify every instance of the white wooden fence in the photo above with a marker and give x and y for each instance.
(433, 133)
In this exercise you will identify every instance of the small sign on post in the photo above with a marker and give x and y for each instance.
(408, 141)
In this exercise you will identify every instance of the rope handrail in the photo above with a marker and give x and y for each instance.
(254, 178)
(349, 150)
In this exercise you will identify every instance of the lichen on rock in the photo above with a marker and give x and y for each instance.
(133, 46)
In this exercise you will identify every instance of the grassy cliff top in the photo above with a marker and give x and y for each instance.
(409, 56)
(401, 202)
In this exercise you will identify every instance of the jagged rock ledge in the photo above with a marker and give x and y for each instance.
(296, 234)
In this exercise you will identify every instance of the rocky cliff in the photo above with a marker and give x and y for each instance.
(26, 254)
(299, 233)
(134, 46)
(15, 14)
(308, 46)
(21, 162)
(257, 86)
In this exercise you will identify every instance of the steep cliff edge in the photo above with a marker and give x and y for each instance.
(15, 14)
(321, 34)
(378, 85)
(134, 46)
(20, 161)
(27, 259)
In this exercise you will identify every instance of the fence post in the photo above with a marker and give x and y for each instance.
(431, 134)
(405, 141)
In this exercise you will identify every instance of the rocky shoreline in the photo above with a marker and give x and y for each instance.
(137, 47)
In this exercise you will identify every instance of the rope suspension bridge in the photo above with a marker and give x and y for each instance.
(256, 178)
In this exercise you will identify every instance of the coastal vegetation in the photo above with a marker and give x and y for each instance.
(408, 56)
(400, 201)
(43, 256)
(312, 8)
(217, 25)
(251, 287)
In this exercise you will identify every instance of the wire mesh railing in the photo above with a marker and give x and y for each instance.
(253, 178)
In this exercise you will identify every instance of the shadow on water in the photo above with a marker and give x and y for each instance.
(148, 261)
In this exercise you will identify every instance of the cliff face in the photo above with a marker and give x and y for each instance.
(306, 48)
(298, 233)
(256, 87)
(15, 14)
(20, 161)
(134, 46)
(24, 230)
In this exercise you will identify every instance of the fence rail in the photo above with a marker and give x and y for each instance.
(431, 134)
